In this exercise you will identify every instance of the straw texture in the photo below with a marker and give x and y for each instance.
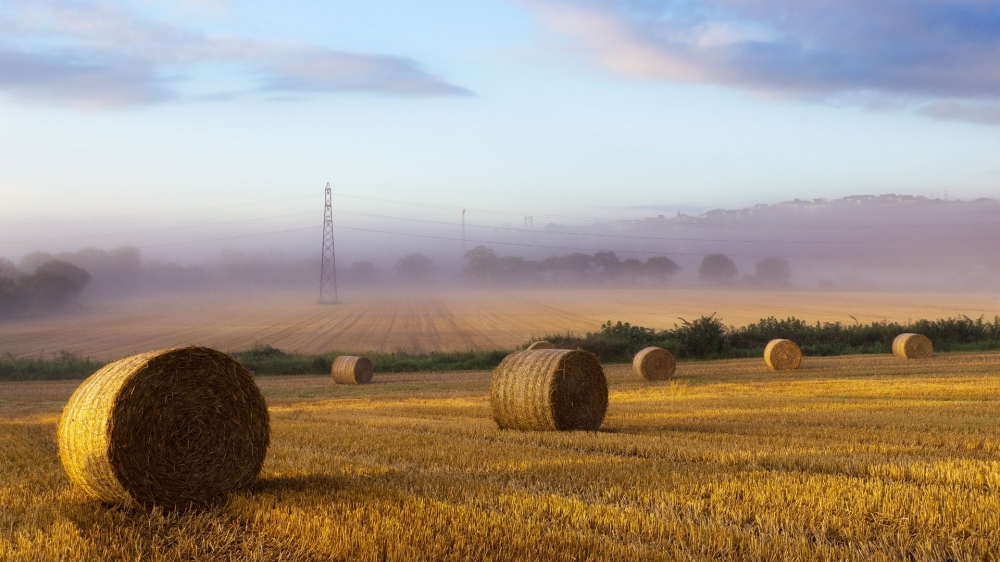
(912, 346)
(541, 345)
(654, 364)
(782, 355)
(171, 428)
(350, 369)
(549, 389)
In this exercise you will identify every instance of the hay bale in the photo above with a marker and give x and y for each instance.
(912, 346)
(541, 345)
(549, 389)
(654, 364)
(171, 428)
(350, 369)
(782, 355)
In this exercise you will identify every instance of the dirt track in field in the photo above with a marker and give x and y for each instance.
(447, 320)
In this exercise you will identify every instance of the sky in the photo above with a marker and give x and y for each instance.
(184, 126)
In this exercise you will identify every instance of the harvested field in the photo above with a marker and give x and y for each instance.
(445, 321)
(864, 458)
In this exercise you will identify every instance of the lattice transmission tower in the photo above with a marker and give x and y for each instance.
(328, 267)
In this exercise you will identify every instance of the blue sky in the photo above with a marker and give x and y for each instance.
(122, 116)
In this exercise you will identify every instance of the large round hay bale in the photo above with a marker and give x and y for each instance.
(912, 346)
(541, 345)
(549, 389)
(782, 355)
(170, 428)
(350, 369)
(654, 364)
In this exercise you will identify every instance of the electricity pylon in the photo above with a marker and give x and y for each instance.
(328, 267)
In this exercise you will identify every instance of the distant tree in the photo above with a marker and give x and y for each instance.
(717, 268)
(660, 268)
(515, 269)
(576, 265)
(8, 269)
(415, 268)
(79, 276)
(32, 260)
(116, 264)
(550, 265)
(609, 265)
(12, 298)
(632, 268)
(362, 273)
(771, 271)
(54, 285)
(480, 263)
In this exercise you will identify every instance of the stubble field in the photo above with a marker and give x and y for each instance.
(861, 458)
(445, 320)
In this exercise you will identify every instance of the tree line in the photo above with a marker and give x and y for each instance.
(54, 285)
(483, 265)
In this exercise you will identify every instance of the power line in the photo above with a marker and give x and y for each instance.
(493, 242)
(643, 221)
(660, 253)
(478, 210)
(668, 238)
(229, 237)
(515, 229)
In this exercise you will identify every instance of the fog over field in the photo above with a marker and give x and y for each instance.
(867, 243)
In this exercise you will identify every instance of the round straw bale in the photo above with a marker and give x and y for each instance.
(350, 369)
(549, 389)
(654, 364)
(541, 345)
(782, 355)
(171, 428)
(912, 346)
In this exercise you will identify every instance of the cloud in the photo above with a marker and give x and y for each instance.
(99, 55)
(971, 112)
(923, 49)
(72, 79)
(327, 71)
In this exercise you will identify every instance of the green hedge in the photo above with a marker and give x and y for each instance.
(704, 338)
(708, 338)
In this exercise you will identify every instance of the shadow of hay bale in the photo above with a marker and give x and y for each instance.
(303, 483)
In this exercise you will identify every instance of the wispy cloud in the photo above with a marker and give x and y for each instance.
(328, 71)
(80, 80)
(972, 112)
(97, 54)
(917, 49)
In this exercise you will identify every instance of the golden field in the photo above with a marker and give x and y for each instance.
(863, 457)
(452, 320)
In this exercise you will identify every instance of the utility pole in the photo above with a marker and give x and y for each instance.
(328, 266)
(463, 233)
